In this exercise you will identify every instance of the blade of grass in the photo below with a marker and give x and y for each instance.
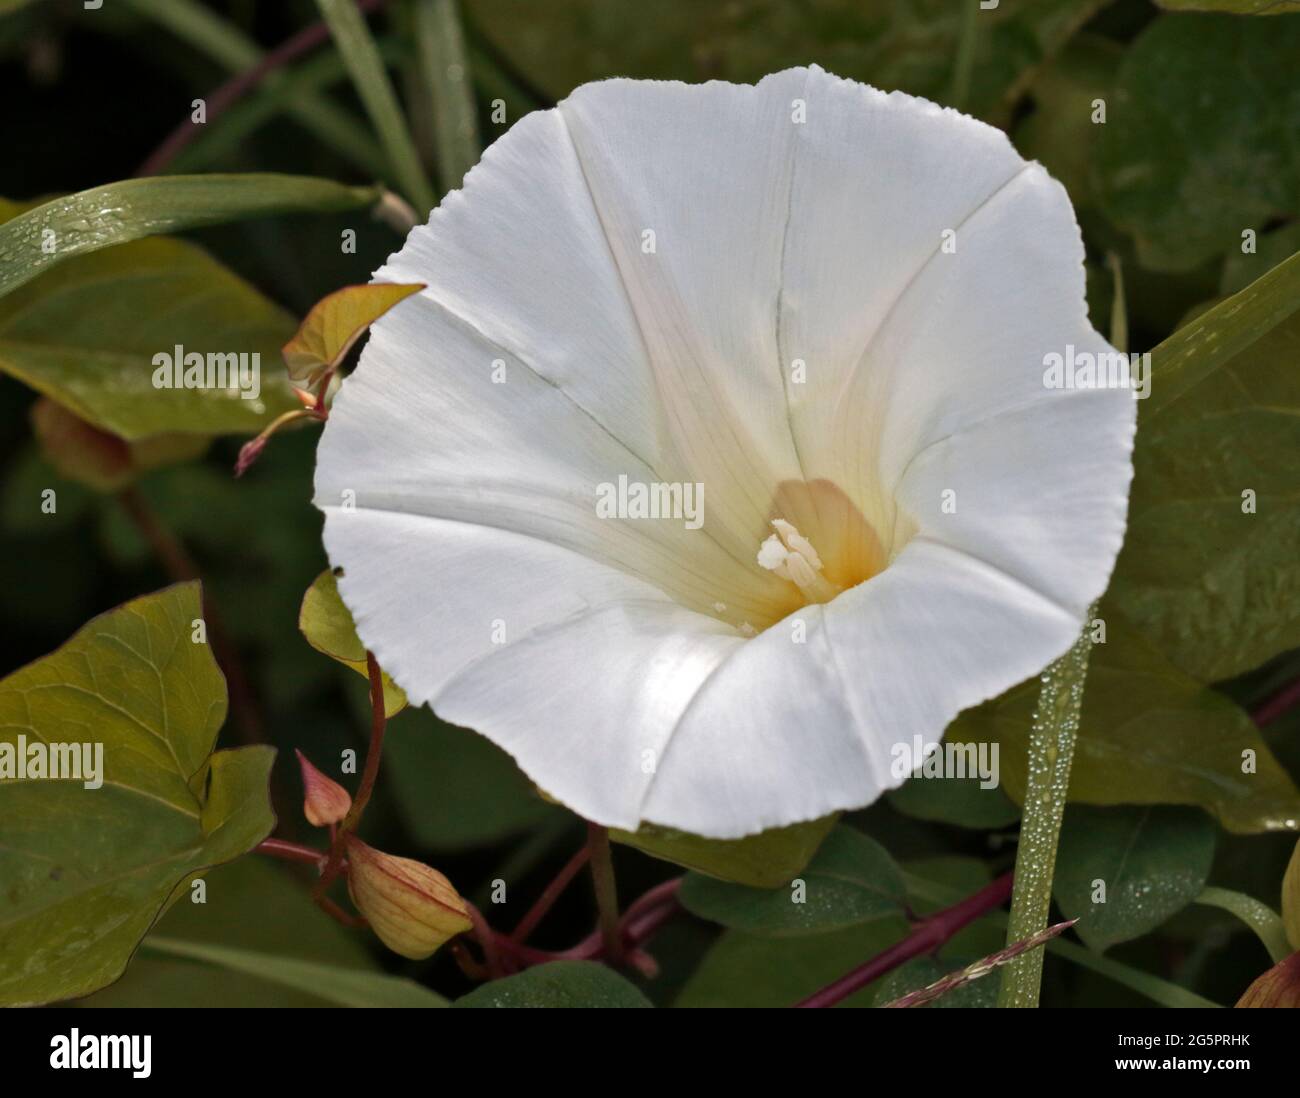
(1202, 345)
(1262, 919)
(495, 84)
(117, 213)
(444, 66)
(348, 987)
(370, 78)
(248, 115)
(960, 90)
(233, 50)
(1155, 988)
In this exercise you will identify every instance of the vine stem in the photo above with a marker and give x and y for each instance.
(602, 878)
(1278, 704)
(179, 565)
(290, 852)
(550, 894)
(927, 936)
(378, 722)
(221, 99)
(1051, 751)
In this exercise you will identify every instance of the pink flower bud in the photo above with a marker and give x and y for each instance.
(324, 800)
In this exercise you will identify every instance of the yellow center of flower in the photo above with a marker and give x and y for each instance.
(821, 544)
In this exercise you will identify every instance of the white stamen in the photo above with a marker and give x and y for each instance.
(791, 556)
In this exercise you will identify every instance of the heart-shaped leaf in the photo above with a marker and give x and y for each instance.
(1123, 871)
(1197, 145)
(89, 863)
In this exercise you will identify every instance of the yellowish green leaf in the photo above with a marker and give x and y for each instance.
(97, 352)
(335, 323)
(327, 624)
(765, 860)
(90, 859)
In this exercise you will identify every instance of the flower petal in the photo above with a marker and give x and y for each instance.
(419, 429)
(706, 169)
(896, 657)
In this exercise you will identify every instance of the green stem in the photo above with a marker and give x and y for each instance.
(1262, 919)
(1051, 750)
(602, 877)
(366, 66)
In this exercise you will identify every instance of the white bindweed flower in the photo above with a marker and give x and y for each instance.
(717, 457)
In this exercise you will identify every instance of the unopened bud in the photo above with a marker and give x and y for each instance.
(413, 909)
(1278, 987)
(324, 801)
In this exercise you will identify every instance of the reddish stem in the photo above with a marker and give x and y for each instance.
(239, 85)
(353, 922)
(489, 941)
(550, 894)
(1280, 703)
(290, 852)
(378, 722)
(648, 913)
(927, 936)
(643, 919)
(180, 566)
